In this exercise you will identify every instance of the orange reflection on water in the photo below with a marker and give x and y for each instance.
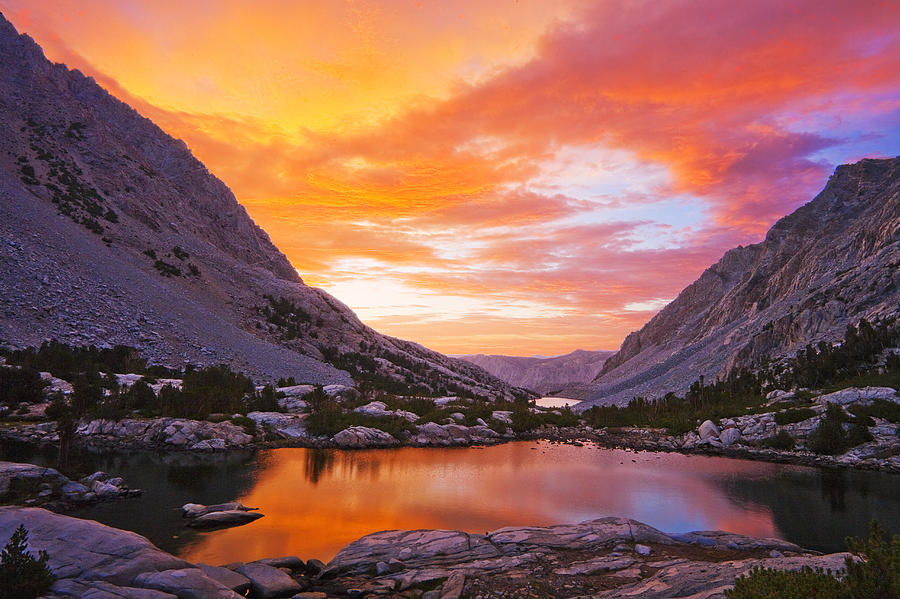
(317, 501)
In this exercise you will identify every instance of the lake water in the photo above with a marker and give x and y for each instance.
(317, 501)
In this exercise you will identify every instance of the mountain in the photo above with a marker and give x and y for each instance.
(829, 264)
(113, 233)
(543, 375)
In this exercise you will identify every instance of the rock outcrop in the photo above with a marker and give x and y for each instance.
(113, 233)
(37, 485)
(223, 515)
(543, 375)
(586, 559)
(607, 557)
(827, 265)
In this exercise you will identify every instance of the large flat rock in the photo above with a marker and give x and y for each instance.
(186, 583)
(710, 580)
(87, 550)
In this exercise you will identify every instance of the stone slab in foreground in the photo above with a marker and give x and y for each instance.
(597, 559)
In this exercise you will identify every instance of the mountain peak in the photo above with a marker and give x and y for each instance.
(828, 264)
(116, 234)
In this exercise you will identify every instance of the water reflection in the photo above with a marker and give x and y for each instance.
(556, 402)
(315, 501)
(318, 462)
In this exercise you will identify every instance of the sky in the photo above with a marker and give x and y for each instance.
(507, 176)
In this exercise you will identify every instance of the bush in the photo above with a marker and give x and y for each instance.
(21, 575)
(876, 576)
(765, 583)
(248, 424)
(795, 415)
(327, 417)
(781, 440)
(20, 385)
(141, 397)
(830, 438)
(859, 434)
(880, 408)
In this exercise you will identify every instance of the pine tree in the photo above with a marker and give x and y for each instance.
(21, 575)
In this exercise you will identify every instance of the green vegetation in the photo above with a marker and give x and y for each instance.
(166, 269)
(20, 385)
(780, 440)
(830, 437)
(73, 197)
(765, 583)
(65, 361)
(28, 175)
(849, 364)
(880, 408)
(730, 397)
(22, 576)
(794, 415)
(524, 420)
(852, 363)
(875, 576)
(288, 317)
(215, 389)
(248, 424)
(208, 390)
(74, 131)
(327, 417)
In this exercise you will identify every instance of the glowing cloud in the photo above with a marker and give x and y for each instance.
(517, 177)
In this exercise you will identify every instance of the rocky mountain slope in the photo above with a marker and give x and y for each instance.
(829, 264)
(543, 375)
(113, 233)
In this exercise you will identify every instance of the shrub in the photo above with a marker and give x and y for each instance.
(22, 576)
(859, 434)
(765, 583)
(166, 269)
(20, 385)
(248, 424)
(140, 397)
(880, 408)
(876, 576)
(781, 440)
(327, 417)
(830, 438)
(795, 415)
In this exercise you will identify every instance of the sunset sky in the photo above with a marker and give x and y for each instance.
(501, 176)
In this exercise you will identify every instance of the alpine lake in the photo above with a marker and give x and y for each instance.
(316, 501)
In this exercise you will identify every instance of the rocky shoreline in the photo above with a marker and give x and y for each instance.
(29, 484)
(741, 437)
(597, 559)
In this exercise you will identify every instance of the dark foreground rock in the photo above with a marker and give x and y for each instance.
(600, 559)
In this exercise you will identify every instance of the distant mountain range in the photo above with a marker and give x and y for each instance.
(827, 265)
(543, 375)
(113, 233)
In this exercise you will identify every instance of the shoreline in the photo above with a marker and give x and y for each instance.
(43, 436)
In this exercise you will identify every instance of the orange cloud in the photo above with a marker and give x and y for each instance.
(567, 164)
